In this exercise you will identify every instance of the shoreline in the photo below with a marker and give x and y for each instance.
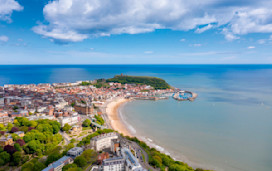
(117, 123)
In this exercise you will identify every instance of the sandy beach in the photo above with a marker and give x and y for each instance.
(112, 113)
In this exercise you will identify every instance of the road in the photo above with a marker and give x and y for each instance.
(66, 137)
(139, 151)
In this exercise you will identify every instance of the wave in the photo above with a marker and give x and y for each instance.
(130, 128)
(151, 143)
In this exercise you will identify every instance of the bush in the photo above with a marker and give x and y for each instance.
(99, 120)
(86, 123)
(66, 127)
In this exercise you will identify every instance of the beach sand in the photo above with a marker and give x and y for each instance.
(113, 115)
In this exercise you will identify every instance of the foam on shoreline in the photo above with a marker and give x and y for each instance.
(114, 117)
(119, 123)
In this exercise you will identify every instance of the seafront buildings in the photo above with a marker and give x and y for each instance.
(64, 102)
(122, 160)
(70, 104)
(103, 141)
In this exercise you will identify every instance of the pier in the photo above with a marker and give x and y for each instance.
(184, 96)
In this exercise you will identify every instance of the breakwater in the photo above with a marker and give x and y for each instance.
(185, 95)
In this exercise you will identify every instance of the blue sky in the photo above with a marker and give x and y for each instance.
(135, 32)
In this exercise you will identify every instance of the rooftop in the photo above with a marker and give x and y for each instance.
(57, 163)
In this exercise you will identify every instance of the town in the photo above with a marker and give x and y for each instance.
(63, 126)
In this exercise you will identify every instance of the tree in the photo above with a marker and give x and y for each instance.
(157, 161)
(66, 167)
(27, 166)
(9, 126)
(38, 166)
(10, 149)
(69, 146)
(29, 136)
(17, 147)
(30, 128)
(20, 142)
(22, 121)
(2, 127)
(66, 127)
(74, 169)
(45, 128)
(34, 145)
(23, 128)
(80, 161)
(14, 129)
(99, 120)
(89, 155)
(17, 157)
(73, 140)
(5, 157)
(86, 123)
(33, 124)
(2, 162)
(53, 157)
(55, 129)
(15, 137)
(16, 123)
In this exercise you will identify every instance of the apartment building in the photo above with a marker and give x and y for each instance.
(103, 141)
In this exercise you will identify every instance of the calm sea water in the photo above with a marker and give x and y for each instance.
(228, 127)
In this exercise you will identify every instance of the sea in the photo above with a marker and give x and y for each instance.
(227, 128)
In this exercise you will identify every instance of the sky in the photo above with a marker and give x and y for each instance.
(135, 32)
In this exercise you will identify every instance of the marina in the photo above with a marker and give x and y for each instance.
(184, 96)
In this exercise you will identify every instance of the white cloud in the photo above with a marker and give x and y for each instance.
(197, 45)
(261, 41)
(182, 40)
(60, 34)
(7, 7)
(4, 38)
(76, 20)
(229, 35)
(148, 52)
(251, 47)
(250, 20)
(203, 29)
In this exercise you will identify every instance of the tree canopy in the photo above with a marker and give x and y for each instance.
(156, 83)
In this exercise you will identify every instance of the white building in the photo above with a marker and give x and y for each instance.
(131, 163)
(114, 164)
(71, 120)
(103, 141)
(40, 109)
(61, 104)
